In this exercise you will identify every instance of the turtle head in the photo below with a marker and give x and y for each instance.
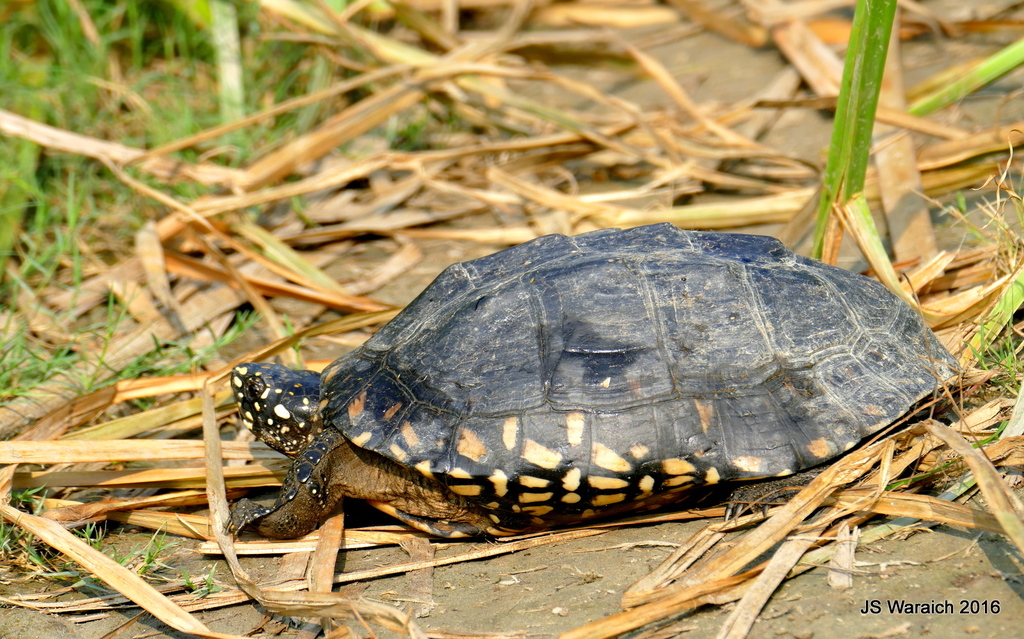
(278, 404)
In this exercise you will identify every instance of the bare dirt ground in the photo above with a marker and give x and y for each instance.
(551, 589)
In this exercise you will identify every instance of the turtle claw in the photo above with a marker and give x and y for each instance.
(244, 513)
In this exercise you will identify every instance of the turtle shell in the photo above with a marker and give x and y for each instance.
(569, 376)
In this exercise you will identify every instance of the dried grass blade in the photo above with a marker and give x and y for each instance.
(249, 476)
(325, 557)
(210, 206)
(899, 180)
(343, 127)
(490, 551)
(767, 209)
(113, 573)
(917, 506)
(790, 515)
(55, 394)
(646, 588)
(553, 199)
(68, 451)
(742, 619)
(277, 253)
(684, 599)
(816, 62)
(925, 274)
(855, 217)
(299, 102)
(401, 261)
(752, 35)
(191, 267)
(166, 170)
(994, 140)
(1006, 506)
(165, 416)
(322, 604)
(669, 85)
(1008, 451)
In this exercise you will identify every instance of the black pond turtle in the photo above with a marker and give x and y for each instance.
(578, 377)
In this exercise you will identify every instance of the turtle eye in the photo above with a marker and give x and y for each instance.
(254, 387)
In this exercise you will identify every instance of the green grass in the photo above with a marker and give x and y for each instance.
(855, 112)
(151, 79)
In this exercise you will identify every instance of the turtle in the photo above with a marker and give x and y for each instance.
(575, 377)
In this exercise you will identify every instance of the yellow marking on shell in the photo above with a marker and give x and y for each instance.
(574, 424)
(638, 451)
(712, 476)
(362, 438)
(492, 505)
(356, 406)
(495, 518)
(459, 473)
(784, 473)
(282, 412)
(606, 483)
(540, 456)
(636, 389)
(468, 490)
(571, 479)
(409, 435)
(706, 412)
(748, 463)
(607, 500)
(328, 375)
(533, 482)
(516, 508)
(607, 458)
(424, 468)
(398, 452)
(305, 401)
(571, 498)
(848, 446)
(606, 382)
(819, 447)
(469, 445)
(509, 432)
(646, 484)
(323, 404)
(530, 498)
(538, 511)
(389, 413)
(679, 480)
(677, 466)
(500, 481)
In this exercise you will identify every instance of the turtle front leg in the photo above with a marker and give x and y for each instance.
(307, 496)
